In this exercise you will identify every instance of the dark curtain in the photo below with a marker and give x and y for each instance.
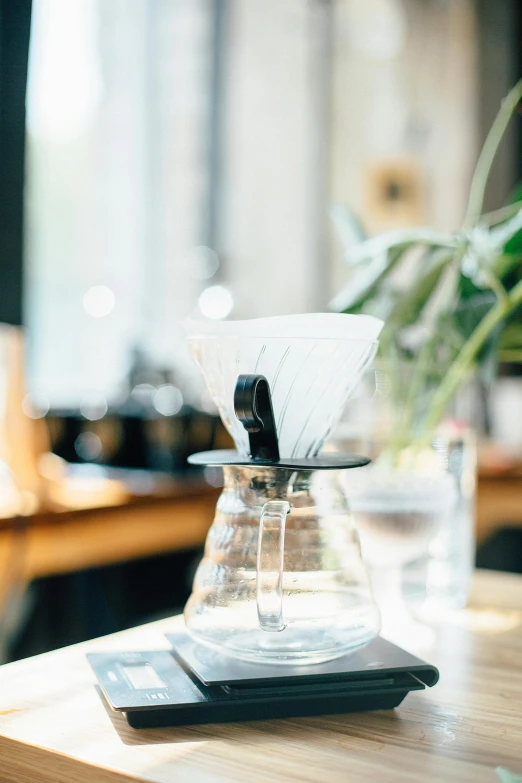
(15, 23)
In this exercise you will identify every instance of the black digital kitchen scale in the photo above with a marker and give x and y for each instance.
(194, 684)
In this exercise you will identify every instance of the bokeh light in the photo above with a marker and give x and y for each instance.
(202, 262)
(168, 400)
(216, 302)
(35, 405)
(93, 408)
(88, 446)
(99, 301)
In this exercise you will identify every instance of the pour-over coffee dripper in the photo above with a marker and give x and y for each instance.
(311, 362)
(282, 578)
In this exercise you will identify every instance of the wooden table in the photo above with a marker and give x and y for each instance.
(147, 514)
(55, 728)
(175, 514)
(499, 502)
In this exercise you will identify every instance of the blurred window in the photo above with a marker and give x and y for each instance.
(118, 145)
(183, 154)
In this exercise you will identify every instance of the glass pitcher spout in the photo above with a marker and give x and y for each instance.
(282, 579)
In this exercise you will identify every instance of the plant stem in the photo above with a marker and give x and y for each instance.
(464, 362)
(487, 155)
(417, 381)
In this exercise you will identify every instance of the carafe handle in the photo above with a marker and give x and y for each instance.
(270, 560)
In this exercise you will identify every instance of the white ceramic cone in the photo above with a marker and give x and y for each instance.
(312, 363)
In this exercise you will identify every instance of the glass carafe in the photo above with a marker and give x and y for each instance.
(282, 578)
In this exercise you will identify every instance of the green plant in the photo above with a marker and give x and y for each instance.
(462, 311)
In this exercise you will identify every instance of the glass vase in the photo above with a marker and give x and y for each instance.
(441, 580)
(415, 517)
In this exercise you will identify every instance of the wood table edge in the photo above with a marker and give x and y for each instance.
(21, 762)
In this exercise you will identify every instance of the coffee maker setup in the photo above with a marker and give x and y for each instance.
(281, 621)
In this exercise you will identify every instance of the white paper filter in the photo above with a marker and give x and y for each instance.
(312, 363)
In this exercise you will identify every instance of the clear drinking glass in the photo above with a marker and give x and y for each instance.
(282, 578)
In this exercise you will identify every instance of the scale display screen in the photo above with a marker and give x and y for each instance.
(143, 676)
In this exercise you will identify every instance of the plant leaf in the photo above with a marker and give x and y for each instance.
(501, 215)
(512, 336)
(364, 282)
(488, 358)
(514, 245)
(509, 355)
(505, 263)
(413, 301)
(469, 312)
(516, 194)
(348, 226)
(504, 233)
(403, 238)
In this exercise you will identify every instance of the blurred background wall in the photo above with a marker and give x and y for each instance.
(182, 156)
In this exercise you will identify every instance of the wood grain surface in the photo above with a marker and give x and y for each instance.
(54, 727)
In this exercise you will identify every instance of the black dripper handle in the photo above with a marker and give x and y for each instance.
(253, 407)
